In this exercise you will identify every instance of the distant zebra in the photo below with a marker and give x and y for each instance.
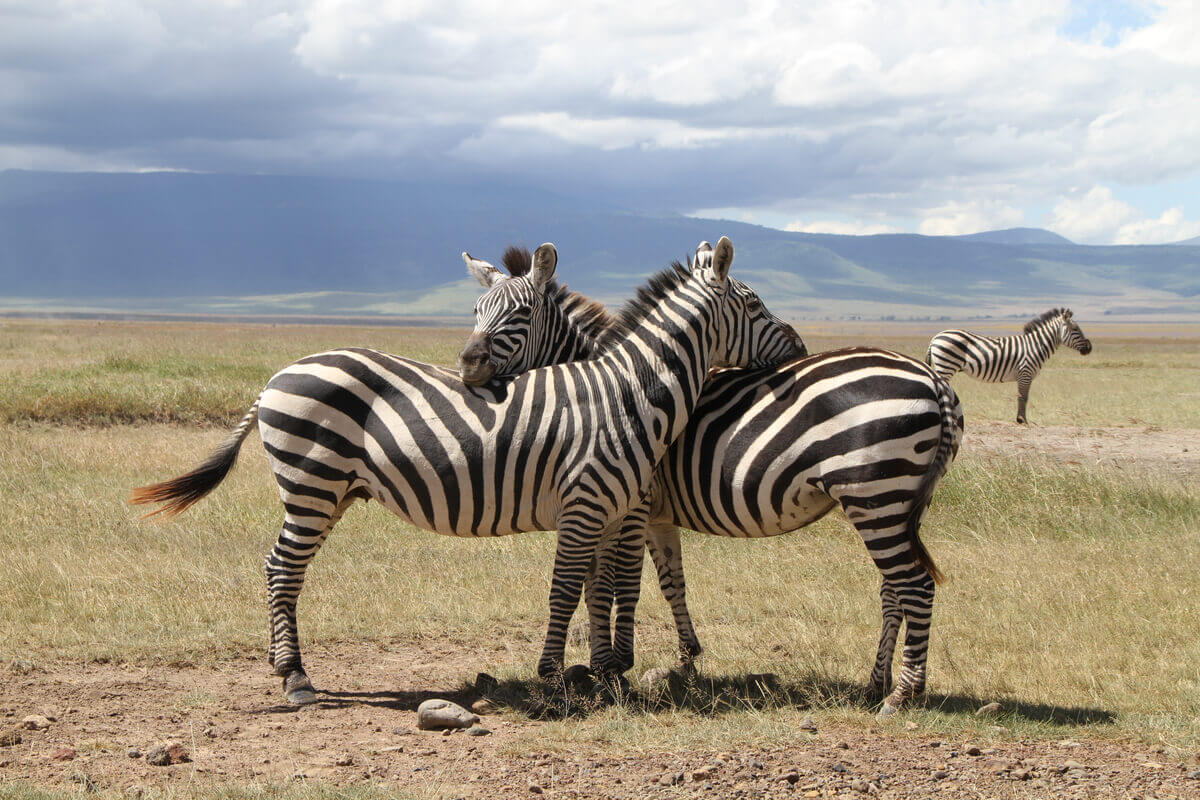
(1007, 358)
(568, 448)
(770, 451)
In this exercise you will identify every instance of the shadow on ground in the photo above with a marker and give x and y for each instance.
(696, 692)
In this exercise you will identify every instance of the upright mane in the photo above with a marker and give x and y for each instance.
(1042, 319)
(643, 304)
(588, 316)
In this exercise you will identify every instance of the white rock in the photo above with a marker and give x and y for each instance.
(437, 713)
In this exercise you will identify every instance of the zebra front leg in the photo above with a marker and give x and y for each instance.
(572, 559)
(599, 591)
(285, 567)
(915, 596)
(664, 544)
(1024, 380)
(881, 674)
(631, 547)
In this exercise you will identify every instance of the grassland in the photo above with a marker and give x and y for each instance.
(1072, 597)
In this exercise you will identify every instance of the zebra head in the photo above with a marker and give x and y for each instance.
(505, 316)
(749, 334)
(1071, 335)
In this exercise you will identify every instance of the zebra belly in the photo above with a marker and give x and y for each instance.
(769, 453)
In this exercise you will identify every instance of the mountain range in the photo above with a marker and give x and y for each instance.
(238, 244)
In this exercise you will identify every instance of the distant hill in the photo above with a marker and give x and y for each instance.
(1192, 242)
(318, 246)
(1018, 236)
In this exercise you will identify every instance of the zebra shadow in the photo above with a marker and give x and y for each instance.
(713, 695)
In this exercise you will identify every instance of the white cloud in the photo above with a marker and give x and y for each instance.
(957, 219)
(853, 228)
(1097, 217)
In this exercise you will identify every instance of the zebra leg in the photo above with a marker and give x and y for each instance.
(915, 596)
(304, 531)
(599, 589)
(1024, 380)
(631, 548)
(881, 675)
(572, 559)
(667, 554)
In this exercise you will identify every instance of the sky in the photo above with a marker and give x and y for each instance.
(835, 116)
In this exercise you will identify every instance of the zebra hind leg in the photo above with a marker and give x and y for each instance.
(881, 675)
(665, 550)
(1024, 380)
(915, 596)
(304, 530)
(574, 553)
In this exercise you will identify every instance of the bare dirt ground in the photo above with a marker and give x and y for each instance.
(1171, 450)
(230, 722)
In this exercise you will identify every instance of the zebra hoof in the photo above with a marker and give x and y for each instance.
(886, 710)
(298, 690)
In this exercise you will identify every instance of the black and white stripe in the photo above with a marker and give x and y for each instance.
(770, 451)
(569, 448)
(1007, 358)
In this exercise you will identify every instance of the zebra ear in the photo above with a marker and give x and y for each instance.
(487, 275)
(1067, 313)
(723, 258)
(703, 256)
(545, 261)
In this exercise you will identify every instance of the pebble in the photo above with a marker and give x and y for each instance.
(1194, 775)
(989, 710)
(483, 706)
(133, 752)
(972, 750)
(843, 745)
(790, 777)
(9, 738)
(860, 786)
(534, 788)
(63, 754)
(436, 714)
(344, 760)
(656, 675)
(671, 779)
(35, 722)
(704, 772)
(168, 754)
(941, 775)
(478, 732)
(807, 724)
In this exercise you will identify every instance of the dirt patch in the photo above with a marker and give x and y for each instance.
(1168, 450)
(363, 731)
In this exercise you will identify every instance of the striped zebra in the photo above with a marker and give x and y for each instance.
(770, 451)
(1007, 358)
(569, 447)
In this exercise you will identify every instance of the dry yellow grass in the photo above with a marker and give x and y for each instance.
(1071, 599)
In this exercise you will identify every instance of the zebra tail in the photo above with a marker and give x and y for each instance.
(946, 448)
(179, 493)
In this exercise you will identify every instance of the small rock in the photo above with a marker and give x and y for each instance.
(211, 732)
(790, 777)
(1195, 776)
(989, 710)
(671, 779)
(656, 675)
(485, 683)
(860, 786)
(704, 772)
(808, 725)
(166, 755)
(35, 722)
(396, 748)
(344, 760)
(49, 713)
(534, 788)
(756, 764)
(133, 752)
(477, 731)
(843, 745)
(9, 738)
(1022, 774)
(839, 768)
(1067, 765)
(63, 754)
(437, 714)
(483, 706)
(941, 775)
(972, 750)
(910, 726)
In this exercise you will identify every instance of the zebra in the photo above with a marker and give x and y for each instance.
(569, 447)
(1007, 358)
(770, 451)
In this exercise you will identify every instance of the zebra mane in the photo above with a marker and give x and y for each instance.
(644, 303)
(1042, 319)
(589, 317)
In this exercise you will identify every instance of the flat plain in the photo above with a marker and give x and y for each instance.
(1072, 548)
